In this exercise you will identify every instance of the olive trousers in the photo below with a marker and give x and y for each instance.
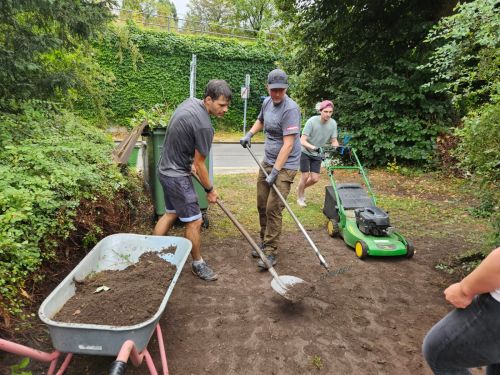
(270, 207)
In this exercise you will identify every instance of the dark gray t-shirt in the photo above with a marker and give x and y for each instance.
(189, 128)
(280, 120)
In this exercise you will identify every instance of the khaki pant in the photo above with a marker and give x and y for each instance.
(271, 207)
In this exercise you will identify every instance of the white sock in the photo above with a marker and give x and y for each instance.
(198, 262)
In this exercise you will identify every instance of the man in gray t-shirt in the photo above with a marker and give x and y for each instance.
(318, 131)
(279, 117)
(187, 144)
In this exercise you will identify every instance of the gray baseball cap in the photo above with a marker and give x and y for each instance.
(277, 79)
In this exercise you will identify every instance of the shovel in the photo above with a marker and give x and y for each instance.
(283, 285)
(318, 254)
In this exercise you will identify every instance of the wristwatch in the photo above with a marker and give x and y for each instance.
(208, 190)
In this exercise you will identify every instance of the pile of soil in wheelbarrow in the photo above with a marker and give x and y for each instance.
(120, 298)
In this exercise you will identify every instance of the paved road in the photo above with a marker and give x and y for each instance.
(230, 158)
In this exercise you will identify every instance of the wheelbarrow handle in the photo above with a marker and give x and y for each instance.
(118, 368)
(318, 254)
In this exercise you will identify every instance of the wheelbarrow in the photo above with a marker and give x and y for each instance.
(115, 252)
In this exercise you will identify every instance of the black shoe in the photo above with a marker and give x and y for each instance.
(255, 254)
(270, 258)
(204, 272)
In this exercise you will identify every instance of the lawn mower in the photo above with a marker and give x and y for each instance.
(353, 214)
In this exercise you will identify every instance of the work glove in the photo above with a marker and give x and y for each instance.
(271, 177)
(245, 141)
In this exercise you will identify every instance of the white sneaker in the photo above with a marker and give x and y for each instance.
(301, 202)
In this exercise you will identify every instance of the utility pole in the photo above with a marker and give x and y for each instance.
(192, 78)
(245, 94)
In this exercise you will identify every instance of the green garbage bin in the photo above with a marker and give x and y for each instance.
(132, 160)
(155, 140)
(136, 159)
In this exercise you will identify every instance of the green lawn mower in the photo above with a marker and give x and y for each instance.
(353, 214)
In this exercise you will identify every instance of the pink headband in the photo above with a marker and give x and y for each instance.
(324, 104)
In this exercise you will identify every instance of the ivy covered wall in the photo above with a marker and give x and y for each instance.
(153, 67)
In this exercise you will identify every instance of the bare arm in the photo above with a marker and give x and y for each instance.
(257, 127)
(485, 278)
(335, 142)
(202, 174)
(285, 150)
(304, 142)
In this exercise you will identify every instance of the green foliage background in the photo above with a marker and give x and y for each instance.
(35, 34)
(159, 72)
(50, 160)
(365, 57)
(465, 66)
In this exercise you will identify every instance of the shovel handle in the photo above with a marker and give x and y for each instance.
(318, 254)
(250, 240)
(252, 243)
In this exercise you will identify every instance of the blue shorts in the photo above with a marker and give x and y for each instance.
(180, 197)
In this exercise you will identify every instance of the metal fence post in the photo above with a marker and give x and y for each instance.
(245, 93)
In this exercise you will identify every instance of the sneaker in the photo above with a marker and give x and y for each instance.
(301, 202)
(255, 254)
(204, 272)
(270, 258)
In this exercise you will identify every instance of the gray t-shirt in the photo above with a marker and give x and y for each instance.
(318, 133)
(280, 120)
(189, 129)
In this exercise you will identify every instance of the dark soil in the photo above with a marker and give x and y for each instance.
(364, 317)
(134, 294)
(298, 291)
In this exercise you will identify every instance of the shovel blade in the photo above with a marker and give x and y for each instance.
(286, 281)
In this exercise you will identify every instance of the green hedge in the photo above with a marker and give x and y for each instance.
(160, 74)
(49, 161)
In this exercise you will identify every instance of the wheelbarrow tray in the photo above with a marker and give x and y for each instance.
(115, 252)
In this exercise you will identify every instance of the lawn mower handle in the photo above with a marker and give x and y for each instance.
(318, 254)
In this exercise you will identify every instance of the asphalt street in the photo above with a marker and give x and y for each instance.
(230, 158)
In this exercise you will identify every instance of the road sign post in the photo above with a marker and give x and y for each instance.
(192, 77)
(245, 94)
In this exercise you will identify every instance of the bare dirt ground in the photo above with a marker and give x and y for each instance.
(370, 319)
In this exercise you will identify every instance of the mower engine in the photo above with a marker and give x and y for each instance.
(372, 221)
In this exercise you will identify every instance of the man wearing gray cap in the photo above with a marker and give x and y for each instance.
(279, 117)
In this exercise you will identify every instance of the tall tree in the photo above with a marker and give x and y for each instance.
(365, 56)
(149, 11)
(206, 11)
(254, 14)
(30, 29)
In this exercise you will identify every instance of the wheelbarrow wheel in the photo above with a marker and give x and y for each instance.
(410, 249)
(332, 227)
(361, 249)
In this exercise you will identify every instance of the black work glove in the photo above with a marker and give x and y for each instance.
(271, 177)
(245, 141)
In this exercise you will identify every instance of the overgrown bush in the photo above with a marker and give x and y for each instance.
(50, 160)
(479, 152)
(465, 64)
(365, 57)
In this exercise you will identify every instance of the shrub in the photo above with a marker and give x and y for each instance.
(50, 159)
